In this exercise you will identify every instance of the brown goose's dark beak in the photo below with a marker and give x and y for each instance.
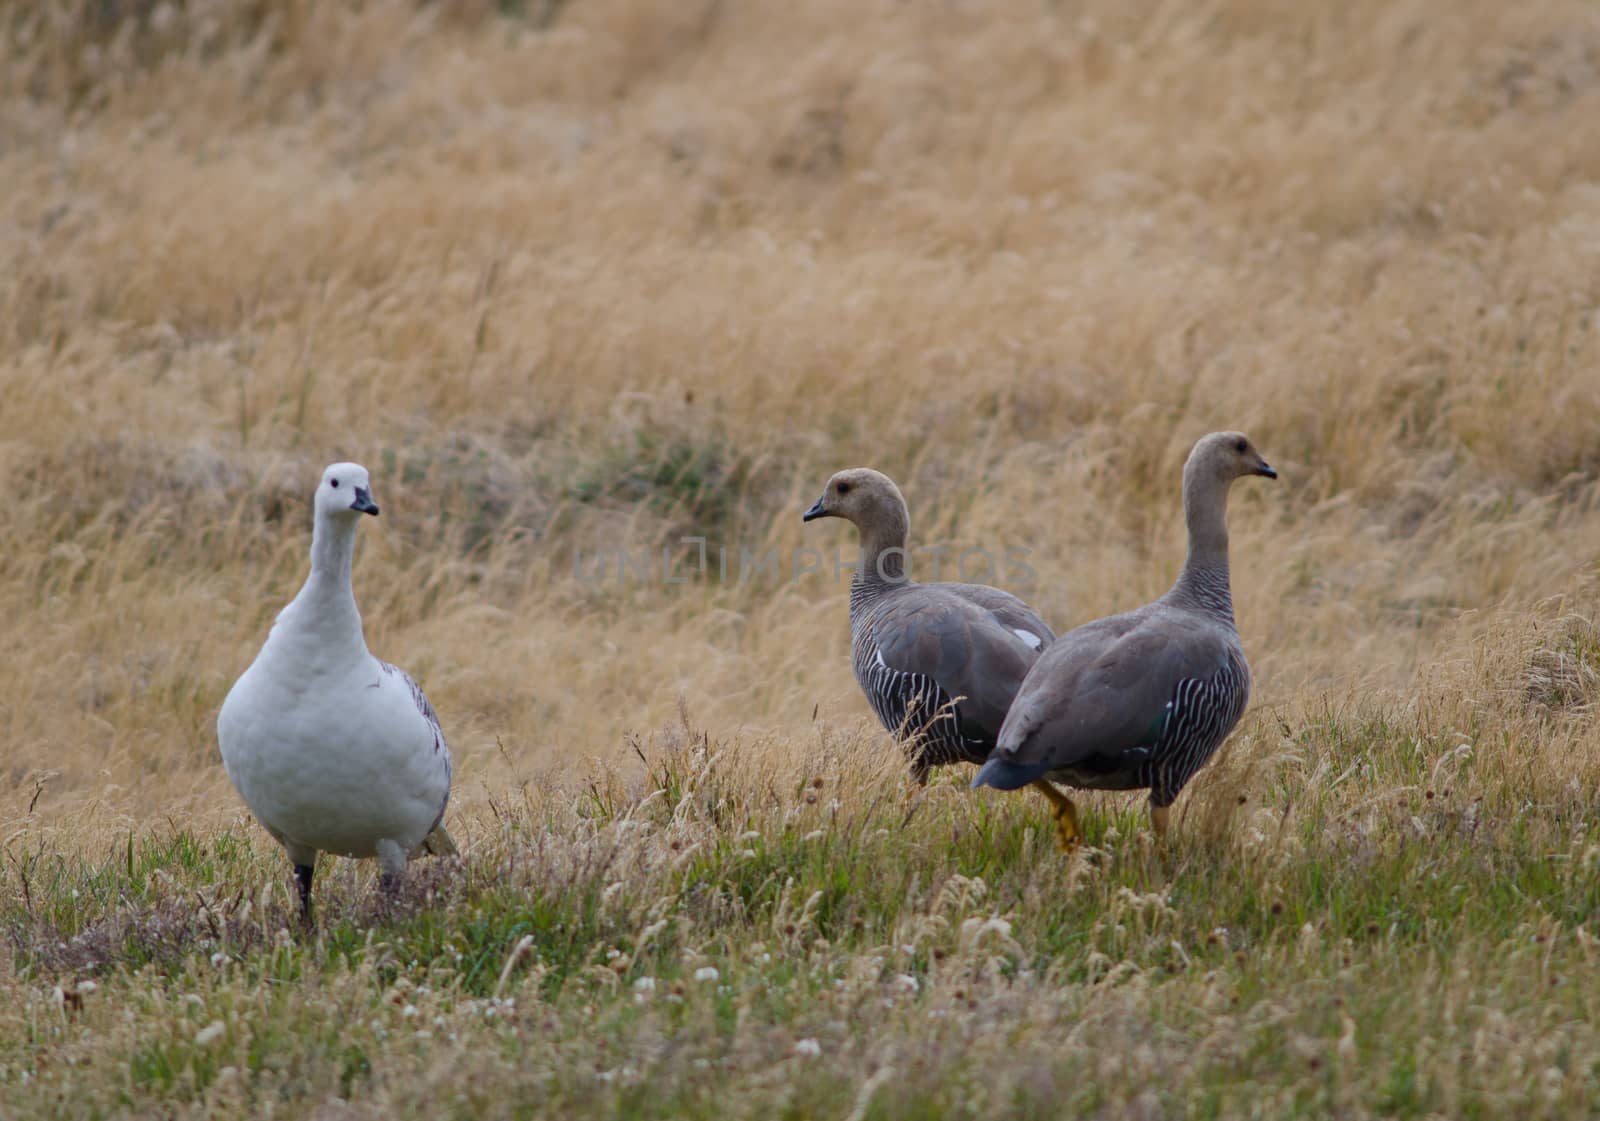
(817, 511)
(1266, 470)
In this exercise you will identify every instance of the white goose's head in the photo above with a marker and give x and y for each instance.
(345, 491)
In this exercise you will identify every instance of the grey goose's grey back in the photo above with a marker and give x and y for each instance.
(1143, 699)
(940, 669)
(1131, 702)
(938, 663)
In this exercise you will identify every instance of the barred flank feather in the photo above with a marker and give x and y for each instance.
(1199, 717)
(914, 708)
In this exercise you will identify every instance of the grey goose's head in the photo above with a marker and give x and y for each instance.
(1223, 457)
(865, 497)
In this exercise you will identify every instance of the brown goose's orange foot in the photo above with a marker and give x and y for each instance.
(911, 802)
(1069, 834)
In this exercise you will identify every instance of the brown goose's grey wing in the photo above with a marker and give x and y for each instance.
(1104, 689)
(1011, 612)
(972, 658)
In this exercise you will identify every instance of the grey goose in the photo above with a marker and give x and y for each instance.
(1143, 699)
(939, 663)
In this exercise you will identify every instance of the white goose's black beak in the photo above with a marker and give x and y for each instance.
(364, 503)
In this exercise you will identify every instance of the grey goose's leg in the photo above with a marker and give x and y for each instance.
(1069, 834)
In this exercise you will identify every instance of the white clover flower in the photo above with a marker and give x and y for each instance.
(645, 985)
(706, 973)
(807, 1048)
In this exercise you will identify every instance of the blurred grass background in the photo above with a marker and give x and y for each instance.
(599, 275)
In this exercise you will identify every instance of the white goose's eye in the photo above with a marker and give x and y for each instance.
(334, 483)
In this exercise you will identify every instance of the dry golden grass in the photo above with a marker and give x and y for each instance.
(604, 274)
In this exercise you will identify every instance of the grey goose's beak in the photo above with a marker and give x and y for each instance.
(363, 503)
(816, 511)
(1264, 469)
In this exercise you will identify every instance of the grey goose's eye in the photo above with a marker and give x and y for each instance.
(1240, 445)
(843, 488)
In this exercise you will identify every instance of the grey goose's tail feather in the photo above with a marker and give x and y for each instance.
(1008, 776)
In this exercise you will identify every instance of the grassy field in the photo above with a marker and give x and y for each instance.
(581, 280)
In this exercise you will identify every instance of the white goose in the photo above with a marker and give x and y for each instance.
(332, 749)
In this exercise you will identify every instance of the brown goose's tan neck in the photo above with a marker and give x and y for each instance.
(881, 566)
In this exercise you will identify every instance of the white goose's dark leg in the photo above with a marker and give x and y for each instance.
(392, 861)
(302, 878)
(304, 861)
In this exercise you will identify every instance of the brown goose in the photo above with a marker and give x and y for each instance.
(1140, 700)
(939, 663)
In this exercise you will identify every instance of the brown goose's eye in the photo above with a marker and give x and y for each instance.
(1241, 445)
(843, 488)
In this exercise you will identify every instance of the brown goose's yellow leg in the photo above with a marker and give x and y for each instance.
(917, 789)
(1068, 833)
(911, 800)
(1158, 822)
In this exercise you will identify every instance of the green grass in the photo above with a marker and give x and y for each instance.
(662, 949)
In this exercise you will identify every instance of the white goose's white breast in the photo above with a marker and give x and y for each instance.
(335, 762)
